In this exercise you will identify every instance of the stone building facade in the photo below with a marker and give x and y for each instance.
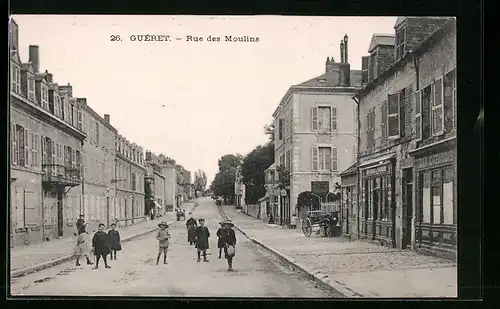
(389, 134)
(99, 161)
(46, 141)
(157, 182)
(183, 179)
(315, 133)
(129, 180)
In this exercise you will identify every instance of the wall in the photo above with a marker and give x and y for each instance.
(159, 188)
(170, 185)
(253, 210)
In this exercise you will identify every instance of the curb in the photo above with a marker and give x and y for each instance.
(314, 275)
(31, 269)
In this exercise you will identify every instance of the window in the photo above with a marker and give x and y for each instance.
(418, 115)
(370, 128)
(64, 109)
(80, 120)
(449, 84)
(21, 143)
(393, 116)
(13, 144)
(402, 112)
(69, 111)
(372, 72)
(383, 114)
(426, 104)
(57, 104)
(45, 96)
(437, 114)
(15, 76)
(31, 89)
(322, 159)
(133, 187)
(35, 149)
(280, 129)
(324, 118)
(97, 132)
(436, 196)
(400, 43)
(288, 161)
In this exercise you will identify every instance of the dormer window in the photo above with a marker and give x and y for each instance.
(400, 43)
(31, 88)
(15, 76)
(57, 105)
(45, 96)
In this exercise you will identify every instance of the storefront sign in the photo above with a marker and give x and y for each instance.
(435, 160)
(377, 171)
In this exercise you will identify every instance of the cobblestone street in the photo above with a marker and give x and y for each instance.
(257, 272)
(367, 269)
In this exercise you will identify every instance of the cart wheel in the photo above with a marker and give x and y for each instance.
(307, 227)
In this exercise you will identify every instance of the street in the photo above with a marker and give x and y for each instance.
(257, 273)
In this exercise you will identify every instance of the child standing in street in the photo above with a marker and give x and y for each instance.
(115, 241)
(293, 222)
(220, 240)
(163, 237)
(100, 245)
(202, 234)
(82, 246)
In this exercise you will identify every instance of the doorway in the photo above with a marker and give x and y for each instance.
(376, 200)
(407, 202)
(60, 214)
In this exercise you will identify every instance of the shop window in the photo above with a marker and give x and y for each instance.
(449, 205)
(426, 195)
(437, 195)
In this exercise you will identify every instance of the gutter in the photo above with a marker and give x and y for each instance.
(358, 189)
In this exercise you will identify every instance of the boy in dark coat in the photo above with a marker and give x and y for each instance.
(202, 234)
(100, 245)
(80, 225)
(115, 241)
(220, 240)
(229, 239)
(191, 225)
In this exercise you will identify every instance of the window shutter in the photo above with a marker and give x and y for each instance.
(80, 120)
(31, 208)
(437, 108)
(44, 151)
(14, 144)
(334, 159)
(53, 155)
(73, 158)
(314, 118)
(383, 114)
(333, 123)
(26, 147)
(418, 115)
(367, 129)
(314, 158)
(393, 116)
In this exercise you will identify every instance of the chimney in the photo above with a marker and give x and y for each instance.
(342, 52)
(345, 74)
(346, 60)
(82, 101)
(34, 57)
(106, 118)
(49, 77)
(14, 35)
(69, 89)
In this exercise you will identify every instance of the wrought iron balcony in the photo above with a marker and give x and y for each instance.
(57, 174)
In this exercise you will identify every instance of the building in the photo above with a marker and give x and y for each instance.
(129, 182)
(183, 179)
(170, 174)
(239, 190)
(387, 125)
(315, 133)
(157, 182)
(273, 193)
(349, 206)
(99, 158)
(46, 141)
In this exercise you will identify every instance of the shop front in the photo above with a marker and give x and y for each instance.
(349, 213)
(378, 207)
(435, 200)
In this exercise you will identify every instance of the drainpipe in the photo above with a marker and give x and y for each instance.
(414, 176)
(358, 138)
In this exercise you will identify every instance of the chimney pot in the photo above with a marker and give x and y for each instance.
(342, 51)
(345, 49)
(106, 117)
(34, 57)
(49, 77)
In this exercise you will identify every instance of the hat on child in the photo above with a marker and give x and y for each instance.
(163, 223)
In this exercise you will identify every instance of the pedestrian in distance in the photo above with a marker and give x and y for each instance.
(100, 245)
(163, 236)
(82, 246)
(220, 240)
(202, 234)
(229, 241)
(293, 222)
(191, 226)
(80, 224)
(115, 241)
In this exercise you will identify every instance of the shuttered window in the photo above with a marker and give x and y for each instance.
(449, 99)
(334, 165)
(13, 144)
(418, 115)
(31, 207)
(437, 114)
(19, 208)
(15, 78)
(393, 116)
(31, 88)
(383, 115)
(45, 96)
(370, 128)
(333, 123)
(314, 158)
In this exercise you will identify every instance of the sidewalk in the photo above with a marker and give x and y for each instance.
(356, 268)
(36, 254)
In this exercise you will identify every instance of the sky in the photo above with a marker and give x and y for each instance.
(217, 96)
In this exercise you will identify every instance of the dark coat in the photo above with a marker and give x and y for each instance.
(114, 240)
(220, 241)
(202, 235)
(228, 237)
(80, 223)
(191, 221)
(100, 243)
(191, 225)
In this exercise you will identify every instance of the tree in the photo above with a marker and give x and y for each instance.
(200, 181)
(269, 130)
(253, 171)
(229, 162)
(223, 183)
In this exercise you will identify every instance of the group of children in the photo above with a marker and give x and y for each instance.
(103, 244)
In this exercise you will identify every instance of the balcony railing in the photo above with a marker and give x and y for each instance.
(58, 174)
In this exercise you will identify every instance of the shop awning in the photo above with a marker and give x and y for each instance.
(158, 205)
(376, 161)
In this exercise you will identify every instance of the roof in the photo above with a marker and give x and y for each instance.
(350, 170)
(330, 79)
(380, 39)
(446, 28)
(399, 21)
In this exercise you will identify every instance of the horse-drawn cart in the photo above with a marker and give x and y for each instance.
(317, 219)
